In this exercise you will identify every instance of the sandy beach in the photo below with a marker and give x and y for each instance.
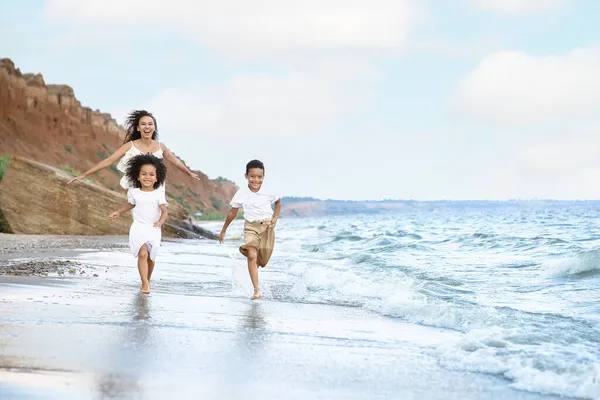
(90, 334)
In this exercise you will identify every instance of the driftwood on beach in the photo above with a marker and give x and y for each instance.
(35, 199)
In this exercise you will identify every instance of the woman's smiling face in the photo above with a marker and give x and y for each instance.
(146, 127)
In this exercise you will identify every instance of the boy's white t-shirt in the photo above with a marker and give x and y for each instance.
(256, 205)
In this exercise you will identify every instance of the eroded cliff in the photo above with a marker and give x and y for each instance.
(46, 123)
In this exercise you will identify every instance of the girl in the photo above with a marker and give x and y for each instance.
(145, 174)
(141, 138)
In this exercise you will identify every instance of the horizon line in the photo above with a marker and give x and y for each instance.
(310, 198)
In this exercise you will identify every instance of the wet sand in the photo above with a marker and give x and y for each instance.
(87, 337)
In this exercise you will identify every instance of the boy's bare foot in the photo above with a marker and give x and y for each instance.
(256, 295)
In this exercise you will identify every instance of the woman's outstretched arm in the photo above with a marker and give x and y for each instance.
(170, 157)
(120, 152)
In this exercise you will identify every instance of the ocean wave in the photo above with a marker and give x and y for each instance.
(507, 242)
(401, 233)
(587, 262)
(361, 258)
(490, 278)
(538, 352)
(346, 236)
(479, 235)
(392, 293)
(539, 367)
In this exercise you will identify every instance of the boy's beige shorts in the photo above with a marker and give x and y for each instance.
(261, 236)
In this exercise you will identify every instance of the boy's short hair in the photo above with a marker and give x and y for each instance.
(134, 165)
(255, 164)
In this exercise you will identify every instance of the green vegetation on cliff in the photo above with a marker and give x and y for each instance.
(4, 161)
(70, 170)
(221, 181)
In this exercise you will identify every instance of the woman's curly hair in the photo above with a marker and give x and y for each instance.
(135, 164)
(132, 122)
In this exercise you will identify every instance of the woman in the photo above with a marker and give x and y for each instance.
(141, 138)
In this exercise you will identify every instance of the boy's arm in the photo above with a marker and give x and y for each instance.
(163, 216)
(230, 217)
(124, 208)
(276, 212)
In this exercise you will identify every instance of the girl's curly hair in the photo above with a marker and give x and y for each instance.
(135, 164)
(132, 122)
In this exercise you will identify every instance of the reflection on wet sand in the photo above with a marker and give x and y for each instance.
(124, 370)
(140, 310)
(254, 334)
(255, 317)
(115, 386)
(248, 353)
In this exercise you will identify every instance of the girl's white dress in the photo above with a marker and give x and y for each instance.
(145, 213)
(132, 152)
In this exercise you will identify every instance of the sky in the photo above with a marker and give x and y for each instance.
(342, 99)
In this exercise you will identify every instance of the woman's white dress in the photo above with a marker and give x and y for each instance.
(145, 213)
(132, 152)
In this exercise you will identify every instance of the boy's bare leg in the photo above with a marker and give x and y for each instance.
(150, 268)
(143, 258)
(253, 270)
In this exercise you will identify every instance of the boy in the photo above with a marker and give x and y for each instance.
(260, 220)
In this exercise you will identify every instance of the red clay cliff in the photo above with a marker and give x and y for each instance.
(47, 123)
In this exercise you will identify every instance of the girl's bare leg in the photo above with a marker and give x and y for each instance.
(253, 270)
(143, 258)
(150, 268)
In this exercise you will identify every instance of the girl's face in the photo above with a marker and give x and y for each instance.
(147, 176)
(146, 127)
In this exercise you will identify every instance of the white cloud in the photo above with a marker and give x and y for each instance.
(517, 7)
(249, 28)
(563, 154)
(562, 168)
(511, 87)
(467, 48)
(317, 58)
(300, 103)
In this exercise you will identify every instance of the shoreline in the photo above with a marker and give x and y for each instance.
(186, 337)
(52, 255)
